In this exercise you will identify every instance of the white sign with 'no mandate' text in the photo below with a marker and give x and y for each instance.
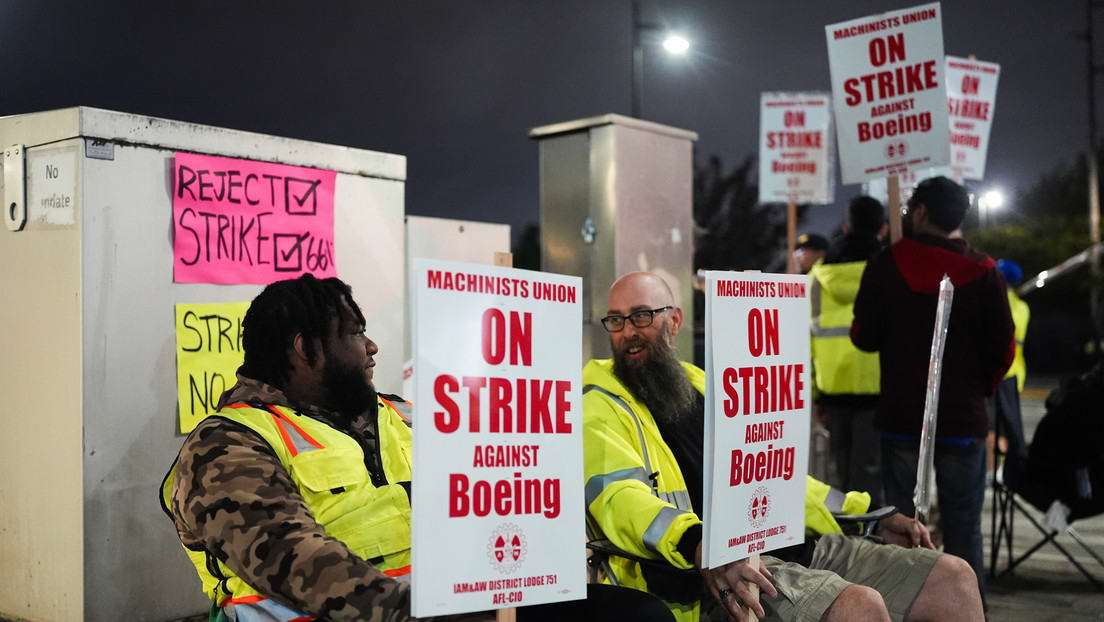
(497, 493)
(889, 92)
(757, 413)
(795, 148)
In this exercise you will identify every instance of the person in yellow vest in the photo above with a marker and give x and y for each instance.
(1006, 397)
(643, 428)
(846, 380)
(292, 501)
(1021, 315)
(809, 248)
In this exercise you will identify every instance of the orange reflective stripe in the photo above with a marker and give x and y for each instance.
(281, 420)
(398, 572)
(254, 599)
(298, 429)
(388, 402)
(290, 444)
(242, 600)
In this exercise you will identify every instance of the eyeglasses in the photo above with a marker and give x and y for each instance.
(639, 319)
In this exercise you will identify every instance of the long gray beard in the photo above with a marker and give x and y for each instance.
(659, 382)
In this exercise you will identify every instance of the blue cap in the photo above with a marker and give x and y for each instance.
(1011, 270)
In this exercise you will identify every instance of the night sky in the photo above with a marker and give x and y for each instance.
(455, 86)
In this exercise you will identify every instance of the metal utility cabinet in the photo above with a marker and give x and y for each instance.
(616, 195)
(88, 372)
(454, 240)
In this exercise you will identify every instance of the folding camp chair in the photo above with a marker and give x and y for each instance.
(1065, 464)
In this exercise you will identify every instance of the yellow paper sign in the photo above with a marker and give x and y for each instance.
(208, 354)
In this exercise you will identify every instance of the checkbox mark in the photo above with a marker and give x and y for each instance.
(301, 196)
(289, 251)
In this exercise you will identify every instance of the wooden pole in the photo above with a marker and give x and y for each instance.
(506, 614)
(754, 587)
(893, 187)
(791, 236)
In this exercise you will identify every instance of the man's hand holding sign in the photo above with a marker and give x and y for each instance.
(736, 585)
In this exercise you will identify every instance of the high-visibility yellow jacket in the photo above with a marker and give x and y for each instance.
(635, 492)
(1021, 315)
(839, 368)
(328, 468)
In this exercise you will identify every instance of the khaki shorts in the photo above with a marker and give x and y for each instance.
(804, 594)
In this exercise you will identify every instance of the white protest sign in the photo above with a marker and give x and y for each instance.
(757, 413)
(889, 94)
(971, 97)
(795, 148)
(879, 187)
(497, 494)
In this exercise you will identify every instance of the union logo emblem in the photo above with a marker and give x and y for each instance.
(759, 506)
(506, 548)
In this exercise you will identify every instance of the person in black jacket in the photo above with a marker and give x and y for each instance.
(895, 315)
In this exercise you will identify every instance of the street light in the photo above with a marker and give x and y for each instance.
(991, 199)
(672, 43)
(675, 44)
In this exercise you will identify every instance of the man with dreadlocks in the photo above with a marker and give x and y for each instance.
(293, 499)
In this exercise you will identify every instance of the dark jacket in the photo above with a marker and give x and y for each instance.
(852, 247)
(895, 316)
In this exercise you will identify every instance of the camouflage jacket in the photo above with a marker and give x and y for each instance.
(232, 497)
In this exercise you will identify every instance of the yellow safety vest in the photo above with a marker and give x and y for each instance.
(374, 522)
(635, 493)
(1021, 315)
(839, 368)
(821, 500)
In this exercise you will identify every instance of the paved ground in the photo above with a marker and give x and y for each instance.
(1046, 586)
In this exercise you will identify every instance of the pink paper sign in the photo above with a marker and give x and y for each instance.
(240, 221)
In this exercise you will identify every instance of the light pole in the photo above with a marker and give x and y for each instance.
(1093, 174)
(672, 43)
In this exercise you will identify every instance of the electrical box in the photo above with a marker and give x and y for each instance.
(454, 240)
(89, 370)
(616, 196)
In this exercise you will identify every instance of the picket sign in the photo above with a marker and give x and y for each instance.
(757, 415)
(498, 387)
